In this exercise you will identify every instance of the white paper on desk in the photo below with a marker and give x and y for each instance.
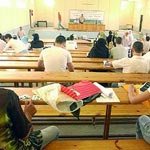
(104, 90)
(53, 96)
(104, 98)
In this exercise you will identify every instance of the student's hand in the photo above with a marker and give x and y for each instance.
(29, 109)
(132, 89)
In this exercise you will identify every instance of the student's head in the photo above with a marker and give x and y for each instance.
(60, 40)
(110, 32)
(119, 40)
(35, 36)
(7, 37)
(14, 37)
(138, 47)
(147, 38)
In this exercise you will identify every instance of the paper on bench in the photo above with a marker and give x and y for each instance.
(53, 96)
(104, 98)
(104, 90)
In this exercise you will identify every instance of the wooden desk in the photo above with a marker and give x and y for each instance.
(79, 42)
(19, 54)
(75, 59)
(34, 65)
(101, 77)
(86, 27)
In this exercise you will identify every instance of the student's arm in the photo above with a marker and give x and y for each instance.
(69, 63)
(6, 47)
(40, 61)
(29, 111)
(70, 67)
(40, 64)
(134, 98)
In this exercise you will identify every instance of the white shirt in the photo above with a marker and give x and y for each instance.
(2, 44)
(119, 52)
(55, 58)
(136, 64)
(147, 55)
(71, 45)
(17, 45)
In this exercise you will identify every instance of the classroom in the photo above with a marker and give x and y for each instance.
(75, 75)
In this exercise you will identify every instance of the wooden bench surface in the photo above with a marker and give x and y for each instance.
(88, 60)
(89, 110)
(92, 109)
(78, 55)
(101, 77)
(34, 65)
(130, 144)
(120, 92)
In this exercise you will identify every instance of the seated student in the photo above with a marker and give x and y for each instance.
(16, 44)
(99, 50)
(135, 64)
(36, 43)
(2, 42)
(143, 122)
(16, 130)
(119, 51)
(24, 39)
(70, 43)
(56, 58)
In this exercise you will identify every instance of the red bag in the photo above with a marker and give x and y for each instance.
(81, 90)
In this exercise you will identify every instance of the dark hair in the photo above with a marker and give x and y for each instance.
(14, 37)
(138, 46)
(60, 39)
(110, 32)
(35, 36)
(7, 36)
(147, 38)
(119, 40)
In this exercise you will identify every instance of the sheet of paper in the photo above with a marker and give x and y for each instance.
(103, 98)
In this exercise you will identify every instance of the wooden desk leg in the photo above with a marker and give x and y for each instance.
(107, 121)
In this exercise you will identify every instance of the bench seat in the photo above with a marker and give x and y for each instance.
(96, 110)
(130, 144)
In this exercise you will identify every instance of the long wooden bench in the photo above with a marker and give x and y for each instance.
(101, 77)
(34, 65)
(85, 60)
(122, 110)
(130, 144)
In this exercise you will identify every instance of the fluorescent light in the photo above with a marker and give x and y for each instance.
(49, 2)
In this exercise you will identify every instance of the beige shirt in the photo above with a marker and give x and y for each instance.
(17, 45)
(136, 64)
(119, 52)
(55, 59)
